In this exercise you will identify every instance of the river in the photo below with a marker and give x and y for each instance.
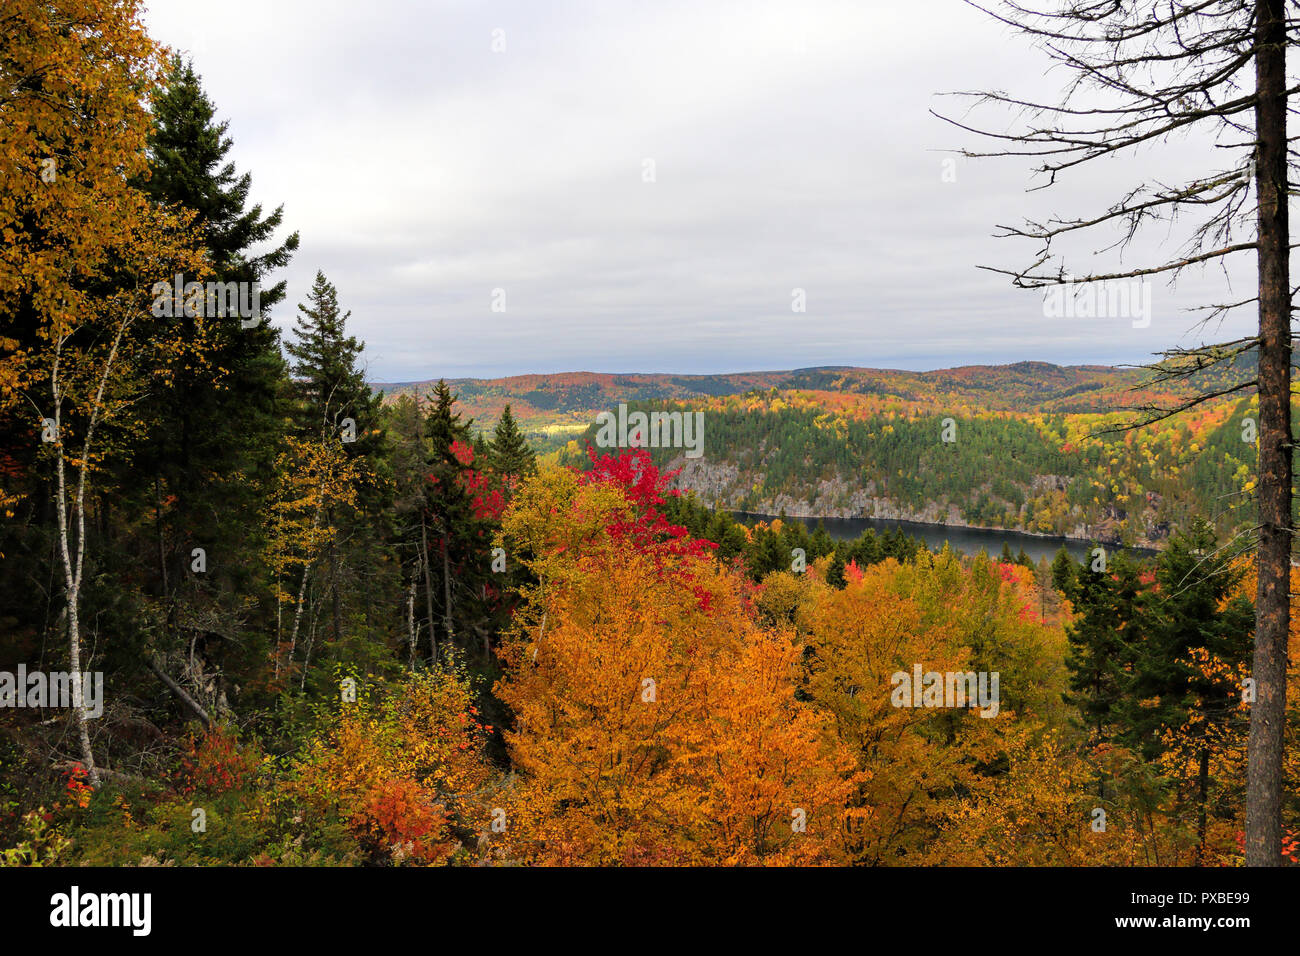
(966, 540)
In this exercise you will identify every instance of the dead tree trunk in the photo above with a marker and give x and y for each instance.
(1272, 601)
(180, 692)
(410, 617)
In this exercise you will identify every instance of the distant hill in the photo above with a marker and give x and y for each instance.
(576, 397)
(538, 400)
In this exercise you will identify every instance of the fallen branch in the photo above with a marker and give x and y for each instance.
(181, 693)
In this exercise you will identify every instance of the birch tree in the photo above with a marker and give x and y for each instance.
(82, 251)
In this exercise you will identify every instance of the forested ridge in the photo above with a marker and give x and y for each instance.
(1012, 460)
(1037, 447)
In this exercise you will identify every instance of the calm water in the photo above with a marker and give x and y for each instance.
(967, 540)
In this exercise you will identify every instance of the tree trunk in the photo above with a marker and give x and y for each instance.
(311, 642)
(446, 590)
(72, 571)
(302, 593)
(334, 581)
(195, 708)
(1272, 601)
(162, 545)
(78, 699)
(428, 589)
(297, 616)
(410, 618)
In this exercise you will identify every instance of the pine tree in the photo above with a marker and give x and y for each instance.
(1104, 641)
(1063, 570)
(510, 452)
(822, 542)
(335, 405)
(454, 541)
(229, 425)
(1184, 695)
(1191, 614)
(767, 553)
(187, 151)
(331, 387)
(214, 426)
(443, 425)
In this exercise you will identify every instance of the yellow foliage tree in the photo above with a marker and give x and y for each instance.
(402, 767)
(656, 721)
(82, 249)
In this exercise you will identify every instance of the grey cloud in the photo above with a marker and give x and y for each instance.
(424, 171)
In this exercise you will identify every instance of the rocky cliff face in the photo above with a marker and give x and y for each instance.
(722, 485)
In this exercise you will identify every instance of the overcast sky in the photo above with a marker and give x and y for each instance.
(791, 148)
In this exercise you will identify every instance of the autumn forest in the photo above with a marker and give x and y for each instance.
(260, 609)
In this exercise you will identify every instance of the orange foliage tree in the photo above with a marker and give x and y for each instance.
(656, 721)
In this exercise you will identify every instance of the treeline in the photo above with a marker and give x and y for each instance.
(664, 707)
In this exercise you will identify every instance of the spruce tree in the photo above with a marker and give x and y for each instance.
(330, 385)
(222, 419)
(822, 542)
(767, 553)
(334, 404)
(188, 165)
(454, 541)
(1192, 613)
(1182, 702)
(1103, 643)
(1064, 569)
(510, 452)
(213, 428)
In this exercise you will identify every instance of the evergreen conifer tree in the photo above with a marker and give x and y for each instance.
(510, 452)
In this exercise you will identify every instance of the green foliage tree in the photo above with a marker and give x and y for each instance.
(1190, 612)
(330, 384)
(334, 404)
(213, 430)
(455, 539)
(1104, 642)
(510, 454)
